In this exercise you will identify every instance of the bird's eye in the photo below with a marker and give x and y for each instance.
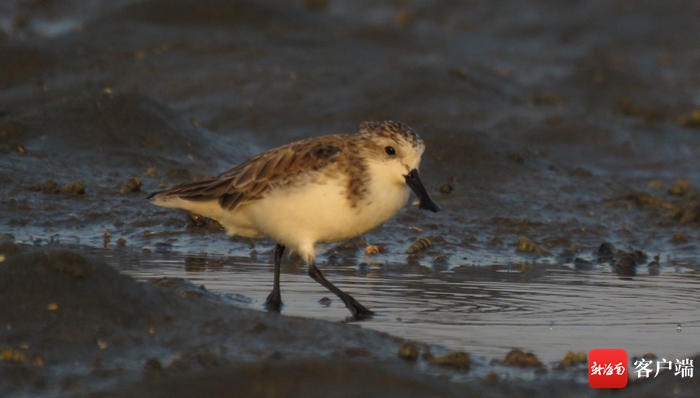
(390, 151)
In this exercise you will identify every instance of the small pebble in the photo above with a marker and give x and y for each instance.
(371, 250)
(446, 189)
(519, 358)
(679, 188)
(458, 360)
(325, 301)
(639, 257)
(527, 246)
(626, 266)
(654, 268)
(18, 147)
(36, 360)
(583, 264)
(440, 259)
(132, 185)
(571, 359)
(152, 367)
(626, 262)
(691, 215)
(8, 248)
(606, 249)
(47, 187)
(409, 351)
(656, 185)
(76, 188)
(691, 120)
(491, 378)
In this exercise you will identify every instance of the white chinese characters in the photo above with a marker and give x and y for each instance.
(607, 369)
(683, 367)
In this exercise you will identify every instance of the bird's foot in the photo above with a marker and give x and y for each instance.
(359, 312)
(273, 303)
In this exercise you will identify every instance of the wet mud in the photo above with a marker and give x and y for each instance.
(552, 128)
(75, 325)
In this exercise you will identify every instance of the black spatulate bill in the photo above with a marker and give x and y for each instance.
(414, 182)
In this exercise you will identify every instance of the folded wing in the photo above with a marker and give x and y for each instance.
(255, 177)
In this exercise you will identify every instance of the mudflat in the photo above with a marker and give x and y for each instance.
(561, 138)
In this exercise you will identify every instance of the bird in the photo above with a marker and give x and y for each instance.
(314, 191)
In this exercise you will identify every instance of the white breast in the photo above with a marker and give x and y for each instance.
(303, 215)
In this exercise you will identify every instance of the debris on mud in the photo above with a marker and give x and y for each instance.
(691, 120)
(419, 245)
(17, 147)
(8, 248)
(152, 368)
(409, 351)
(372, 250)
(639, 199)
(130, 186)
(496, 241)
(627, 108)
(50, 187)
(195, 220)
(688, 215)
(519, 358)
(76, 188)
(639, 257)
(679, 188)
(491, 378)
(121, 243)
(656, 185)
(525, 245)
(325, 301)
(654, 268)
(678, 239)
(351, 245)
(446, 188)
(439, 259)
(626, 266)
(457, 360)
(572, 359)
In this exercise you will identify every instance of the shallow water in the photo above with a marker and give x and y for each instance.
(485, 310)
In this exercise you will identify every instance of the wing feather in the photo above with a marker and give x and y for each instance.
(252, 179)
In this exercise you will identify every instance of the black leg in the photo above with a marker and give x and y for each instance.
(358, 310)
(274, 300)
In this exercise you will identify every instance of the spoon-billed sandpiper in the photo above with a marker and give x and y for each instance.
(319, 190)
